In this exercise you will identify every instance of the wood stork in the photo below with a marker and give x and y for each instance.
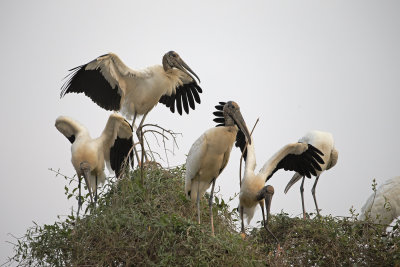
(324, 142)
(114, 86)
(300, 157)
(384, 205)
(209, 155)
(89, 155)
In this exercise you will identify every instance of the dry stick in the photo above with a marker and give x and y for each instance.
(134, 149)
(244, 150)
(173, 134)
(151, 152)
(165, 151)
(163, 134)
(127, 157)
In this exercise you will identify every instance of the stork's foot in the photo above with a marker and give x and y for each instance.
(79, 205)
(318, 214)
(243, 235)
(279, 250)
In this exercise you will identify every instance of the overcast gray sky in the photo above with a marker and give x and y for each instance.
(297, 65)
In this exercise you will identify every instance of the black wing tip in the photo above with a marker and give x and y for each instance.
(310, 146)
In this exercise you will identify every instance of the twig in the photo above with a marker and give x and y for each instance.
(63, 175)
(164, 135)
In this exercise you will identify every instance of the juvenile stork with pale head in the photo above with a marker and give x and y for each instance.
(301, 157)
(114, 86)
(89, 155)
(209, 155)
(325, 143)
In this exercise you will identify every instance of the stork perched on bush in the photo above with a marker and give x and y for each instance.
(89, 155)
(114, 86)
(210, 153)
(324, 142)
(301, 157)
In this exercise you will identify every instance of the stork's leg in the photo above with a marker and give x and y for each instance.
(79, 195)
(95, 198)
(134, 119)
(134, 148)
(139, 134)
(139, 128)
(241, 219)
(198, 202)
(313, 193)
(85, 169)
(210, 202)
(302, 197)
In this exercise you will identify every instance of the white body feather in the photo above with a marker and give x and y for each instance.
(252, 183)
(375, 207)
(141, 89)
(207, 158)
(325, 143)
(94, 151)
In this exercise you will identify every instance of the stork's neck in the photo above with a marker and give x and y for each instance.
(228, 120)
(251, 158)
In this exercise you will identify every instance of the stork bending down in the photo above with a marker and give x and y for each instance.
(89, 155)
(209, 155)
(301, 157)
(324, 142)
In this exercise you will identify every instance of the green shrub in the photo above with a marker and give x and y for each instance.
(155, 225)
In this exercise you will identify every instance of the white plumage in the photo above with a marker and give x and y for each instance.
(383, 207)
(207, 158)
(209, 155)
(325, 143)
(89, 155)
(300, 157)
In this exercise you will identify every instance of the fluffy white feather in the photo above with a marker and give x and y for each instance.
(94, 151)
(384, 206)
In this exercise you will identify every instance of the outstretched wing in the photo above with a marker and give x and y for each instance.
(220, 120)
(69, 127)
(185, 96)
(300, 157)
(104, 80)
(117, 144)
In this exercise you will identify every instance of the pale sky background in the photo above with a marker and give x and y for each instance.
(297, 65)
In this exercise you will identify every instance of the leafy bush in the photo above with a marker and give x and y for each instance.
(155, 225)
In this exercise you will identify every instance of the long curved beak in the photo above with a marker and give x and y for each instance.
(268, 200)
(186, 69)
(237, 116)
